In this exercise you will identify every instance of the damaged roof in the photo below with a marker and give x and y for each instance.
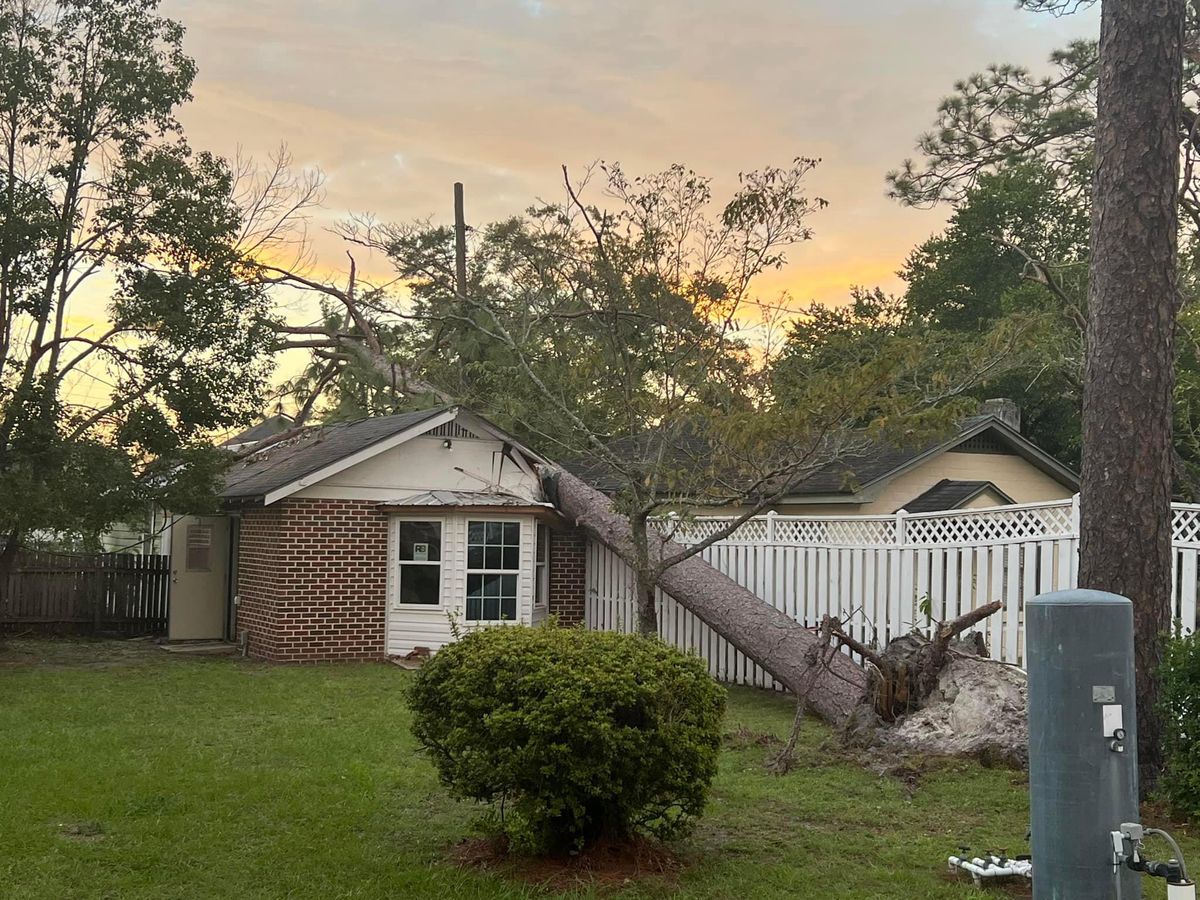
(312, 449)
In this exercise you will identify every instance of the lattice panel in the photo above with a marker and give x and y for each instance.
(1185, 525)
(847, 532)
(1012, 523)
(691, 532)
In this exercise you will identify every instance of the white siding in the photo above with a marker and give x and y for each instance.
(412, 626)
(423, 464)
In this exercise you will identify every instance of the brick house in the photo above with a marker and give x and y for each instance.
(367, 539)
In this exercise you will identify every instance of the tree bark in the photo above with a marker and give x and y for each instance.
(778, 643)
(1125, 527)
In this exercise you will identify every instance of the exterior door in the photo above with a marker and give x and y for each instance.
(199, 578)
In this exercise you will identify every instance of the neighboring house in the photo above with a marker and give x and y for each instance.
(371, 538)
(986, 462)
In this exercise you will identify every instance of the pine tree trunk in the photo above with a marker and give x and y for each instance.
(778, 643)
(1125, 517)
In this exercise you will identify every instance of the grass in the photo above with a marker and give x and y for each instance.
(151, 776)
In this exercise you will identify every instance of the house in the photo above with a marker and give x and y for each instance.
(372, 538)
(985, 462)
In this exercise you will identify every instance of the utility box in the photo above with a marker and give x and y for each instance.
(1082, 743)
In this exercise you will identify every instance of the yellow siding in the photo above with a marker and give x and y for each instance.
(1013, 475)
(1016, 477)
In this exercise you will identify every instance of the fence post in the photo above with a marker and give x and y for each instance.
(1075, 516)
(893, 627)
(771, 525)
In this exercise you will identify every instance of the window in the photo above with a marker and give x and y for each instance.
(541, 588)
(199, 548)
(493, 562)
(419, 545)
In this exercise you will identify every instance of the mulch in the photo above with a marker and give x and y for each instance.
(607, 865)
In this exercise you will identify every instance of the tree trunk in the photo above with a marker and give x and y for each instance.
(834, 685)
(647, 614)
(1125, 527)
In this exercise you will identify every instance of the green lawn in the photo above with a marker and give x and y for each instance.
(160, 777)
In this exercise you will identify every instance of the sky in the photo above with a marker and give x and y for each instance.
(396, 100)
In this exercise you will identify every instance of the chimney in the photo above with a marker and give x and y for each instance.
(1004, 409)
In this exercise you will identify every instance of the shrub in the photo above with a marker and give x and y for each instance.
(571, 735)
(1180, 674)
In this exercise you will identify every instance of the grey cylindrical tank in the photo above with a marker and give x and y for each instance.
(1079, 652)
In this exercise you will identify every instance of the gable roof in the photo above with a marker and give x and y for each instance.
(855, 474)
(276, 467)
(950, 494)
(845, 478)
(319, 451)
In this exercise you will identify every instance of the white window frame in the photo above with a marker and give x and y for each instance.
(468, 571)
(541, 601)
(395, 567)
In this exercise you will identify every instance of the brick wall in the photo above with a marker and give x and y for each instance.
(259, 579)
(567, 560)
(312, 580)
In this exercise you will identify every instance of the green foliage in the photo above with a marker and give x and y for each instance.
(97, 183)
(1180, 704)
(571, 735)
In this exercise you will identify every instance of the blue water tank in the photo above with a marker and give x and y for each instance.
(1082, 742)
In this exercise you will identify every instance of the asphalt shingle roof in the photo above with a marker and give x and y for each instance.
(946, 494)
(845, 476)
(312, 449)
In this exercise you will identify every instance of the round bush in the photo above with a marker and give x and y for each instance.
(1180, 674)
(571, 735)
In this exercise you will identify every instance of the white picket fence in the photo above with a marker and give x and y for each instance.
(884, 575)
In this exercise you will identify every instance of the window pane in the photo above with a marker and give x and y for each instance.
(420, 584)
(542, 542)
(491, 609)
(512, 533)
(474, 532)
(491, 597)
(495, 532)
(474, 557)
(492, 558)
(511, 558)
(421, 541)
(199, 548)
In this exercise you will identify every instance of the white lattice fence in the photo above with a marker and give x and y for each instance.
(883, 575)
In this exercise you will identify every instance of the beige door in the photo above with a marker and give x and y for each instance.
(199, 578)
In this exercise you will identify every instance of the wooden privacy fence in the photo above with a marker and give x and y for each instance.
(884, 575)
(100, 592)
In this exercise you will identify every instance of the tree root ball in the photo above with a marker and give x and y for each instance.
(978, 709)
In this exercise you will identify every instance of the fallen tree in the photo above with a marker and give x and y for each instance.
(796, 657)
(938, 695)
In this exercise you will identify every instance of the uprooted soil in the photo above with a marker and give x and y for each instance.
(607, 865)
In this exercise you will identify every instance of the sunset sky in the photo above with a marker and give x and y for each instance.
(397, 100)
